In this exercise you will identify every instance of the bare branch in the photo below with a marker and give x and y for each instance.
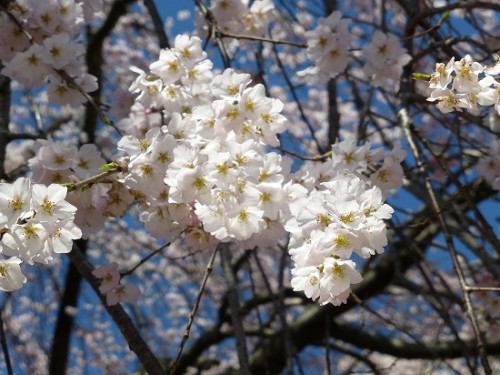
(173, 367)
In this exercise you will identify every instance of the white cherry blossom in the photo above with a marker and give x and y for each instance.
(11, 276)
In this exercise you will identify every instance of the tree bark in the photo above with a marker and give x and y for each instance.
(5, 96)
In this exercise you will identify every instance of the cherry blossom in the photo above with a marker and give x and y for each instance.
(327, 46)
(385, 59)
(11, 276)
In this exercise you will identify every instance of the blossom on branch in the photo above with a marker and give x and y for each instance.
(343, 213)
(385, 59)
(112, 289)
(36, 222)
(328, 47)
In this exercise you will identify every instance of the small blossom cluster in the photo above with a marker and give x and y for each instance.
(45, 44)
(57, 162)
(178, 80)
(35, 222)
(236, 17)
(207, 168)
(328, 47)
(343, 214)
(465, 84)
(385, 59)
(111, 286)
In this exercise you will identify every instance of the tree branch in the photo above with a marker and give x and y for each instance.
(157, 23)
(4, 120)
(363, 338)
(234, 307)
(135, 342)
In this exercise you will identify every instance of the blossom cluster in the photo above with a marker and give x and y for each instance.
(35, 222)
(328, 46)
(42, 43)
(385, 59)
(197, 159)
(465, 84)
(111, 286)
(236, 17)
(57, 163)
(202, 166)
(207, 167)
(343, 214)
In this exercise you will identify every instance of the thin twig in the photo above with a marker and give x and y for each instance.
(92, 180)
(145, 259)
(296, 99)
(185, 336)
(342, 348)
(482, 288)
(387, 321)
(18, 24)
(214, 32)
(72, 84)
(481, 221)
(406, 124)
(161, 248)
(444, 313)
(224, 34)
(323, 157)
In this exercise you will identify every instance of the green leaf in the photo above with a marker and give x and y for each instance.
(109, 166)
(444, 17)
(421, 76)
(106, 120)
(68, 185)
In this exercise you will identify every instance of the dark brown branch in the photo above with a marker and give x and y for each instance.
(60, 349)
(5, 347)
(333, 113)
(95, 61)
(235, 311)
(331, 87)
(363, 338)
(342, 348)
(134, 340)
(4, 120)
(157, 24)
